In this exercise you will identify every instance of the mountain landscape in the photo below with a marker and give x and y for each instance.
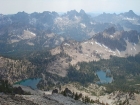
(66, 51)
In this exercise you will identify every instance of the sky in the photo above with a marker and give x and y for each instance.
(95, 6)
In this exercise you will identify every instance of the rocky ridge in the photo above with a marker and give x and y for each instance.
(55, 99)
(15, 70)
(45, 97)
(35, 31)
(101, 46)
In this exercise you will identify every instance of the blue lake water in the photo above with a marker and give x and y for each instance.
(30, 82)
(103, 78)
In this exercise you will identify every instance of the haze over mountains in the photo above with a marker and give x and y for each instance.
(49, 29)
(70, 47)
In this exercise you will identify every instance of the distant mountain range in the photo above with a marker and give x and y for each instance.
(128, 20)
(35, 31)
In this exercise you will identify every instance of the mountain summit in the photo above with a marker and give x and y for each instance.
(130, 14)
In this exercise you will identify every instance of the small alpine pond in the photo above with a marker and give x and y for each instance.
(32, 82)
(102, 75)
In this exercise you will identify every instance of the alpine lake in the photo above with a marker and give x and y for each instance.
(104, 79)
(32, 82)
(102, 75)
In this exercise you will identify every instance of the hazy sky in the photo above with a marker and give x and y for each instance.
(29, 6)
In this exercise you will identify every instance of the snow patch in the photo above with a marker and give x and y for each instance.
(111, 36)
(85, 42)
(66, 44)
(28, 35)
(134, 44)
(118, 51)
(14, 40)
(106, 50)
(111, 51)
(105, 46)
(91, 43)
(30, 43)
(134, 48)
(76, 17)
(114, 53)
(98, 43)
(83, 25)
(59, 19)
(33, 33)
(127, 18)
(91, 23)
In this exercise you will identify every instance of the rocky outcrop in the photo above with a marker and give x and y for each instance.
(55, 91)
(15, 70)
(55, 99)
(14, 100)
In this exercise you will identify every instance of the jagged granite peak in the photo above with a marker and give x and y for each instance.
(1, 15)
(129, 14)
(110, 30)
(82, 11)
(50, 13)
(20, 18)
(108, 14)
(85, 17)
(117, 39)
(83, 14)
(139, 20)
(46, 28)
(55, 13)
(132, 36)
(46, 12)
(43, 14)
(106, 17)
(101, 46)
(72, 12)
(45, 17)
(22, 13)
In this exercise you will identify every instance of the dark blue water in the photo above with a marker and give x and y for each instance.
(30, 82)
(103, 78)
